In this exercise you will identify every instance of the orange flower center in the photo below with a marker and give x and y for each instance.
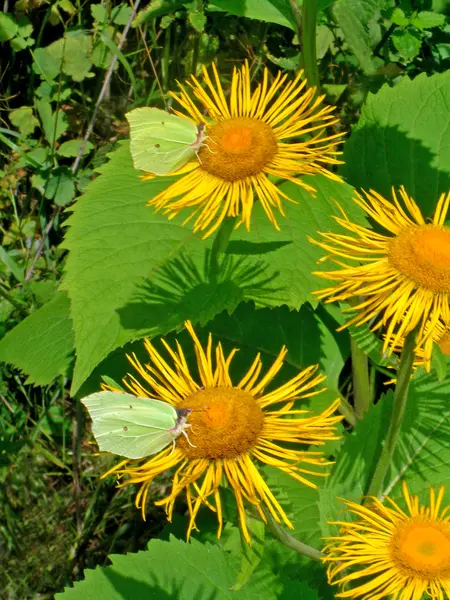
(422, 547)
(225, 422)
(444, 343)
(238, 148)
(423, 254)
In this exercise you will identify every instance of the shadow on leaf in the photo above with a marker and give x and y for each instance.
(181, 291)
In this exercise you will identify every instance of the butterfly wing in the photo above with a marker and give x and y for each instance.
(129, 426)
(160, 140)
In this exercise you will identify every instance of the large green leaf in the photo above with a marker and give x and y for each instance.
(355, 464)
(183, 571)
(116, 244)
(292, 257)
(132, 273)
(353, 16)
(422, 457)
(301, 504)
(403, 137)
(307, 337)
(270, 11)
(42, 344)
(305, 334)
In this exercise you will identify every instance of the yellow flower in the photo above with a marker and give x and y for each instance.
(231, 426)
(439, 335)
(400, 280)
(388, 552)
(250, 136)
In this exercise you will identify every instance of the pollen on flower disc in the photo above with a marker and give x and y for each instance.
(238, 148)
(423, 548)
(225, 422)
(423, 254)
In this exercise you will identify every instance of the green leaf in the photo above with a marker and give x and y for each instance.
(163, 269)
(293, 259)
(355, 464)
(371, 344)
(42, 344)
(250, 555)
(422, 456)
(60, 187)
(8, 260)
(438, 363)
(72, 53)
(324, 39)
(427, 20)
(25, 27)
(270, 11)
(407, 43)
(19, 43)
(114, 237)
(403, 137)
(289, 64)
(52, 93)
(24, 119)
(99, 13)
(398, 17)
(309, 336)
(157, 8)
(301, 504)
(174, 569)
(46, 65)
(197, 20)
(43, 290)
(353, 17)
(39, 157)
(67, 7)
(101, 56)
(53, 124)
(8, 27)
(72, 147)
(120, 15)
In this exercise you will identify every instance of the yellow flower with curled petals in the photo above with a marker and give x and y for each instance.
(232, 427)
(275, 130)
(399, 280)
(392, 553)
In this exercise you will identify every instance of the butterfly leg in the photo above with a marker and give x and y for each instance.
(187, 437)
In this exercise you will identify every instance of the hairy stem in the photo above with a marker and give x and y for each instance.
(220, 244)
(288, 540)
(361, 386)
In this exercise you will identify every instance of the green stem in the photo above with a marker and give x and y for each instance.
(308, 42)
(361, 386)
(398, 411)
(220, 244)
(288, 540)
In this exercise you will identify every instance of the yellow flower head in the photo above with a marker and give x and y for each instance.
(400, 280)
(440, 335)
(388, 552)
(230, 427)
(250, 136)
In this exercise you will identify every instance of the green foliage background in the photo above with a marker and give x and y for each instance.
(87, 271)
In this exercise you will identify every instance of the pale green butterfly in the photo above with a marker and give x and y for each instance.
(160, 142)
(134, 427)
